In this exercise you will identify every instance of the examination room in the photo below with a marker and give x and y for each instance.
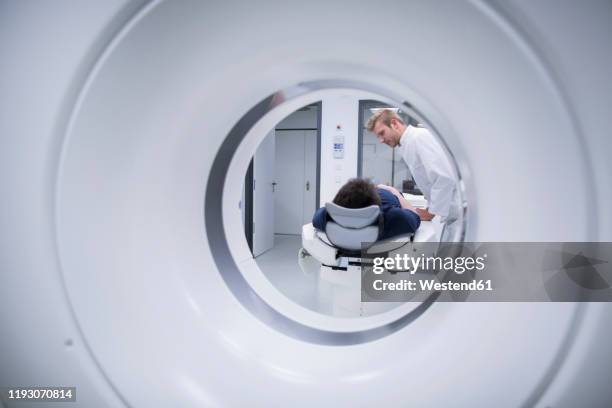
(306, 204)
(302, 165)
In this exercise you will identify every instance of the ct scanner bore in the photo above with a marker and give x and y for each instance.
(113, 115)
(236, 263)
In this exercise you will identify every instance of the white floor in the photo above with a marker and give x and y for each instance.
(280, 266)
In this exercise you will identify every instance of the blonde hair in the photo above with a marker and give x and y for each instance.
(384, 116)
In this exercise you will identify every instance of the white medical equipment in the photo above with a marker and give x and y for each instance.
(338, 253)
(126, 131)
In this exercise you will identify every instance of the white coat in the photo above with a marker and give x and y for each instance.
(430, 168)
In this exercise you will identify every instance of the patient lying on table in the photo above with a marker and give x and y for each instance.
(398, 215)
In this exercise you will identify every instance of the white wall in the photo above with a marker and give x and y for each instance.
(341, 109)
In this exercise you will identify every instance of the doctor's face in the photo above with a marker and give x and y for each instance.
(387, 135)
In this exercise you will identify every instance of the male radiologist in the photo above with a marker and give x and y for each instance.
(427, 162)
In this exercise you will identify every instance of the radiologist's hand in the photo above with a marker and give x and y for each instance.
(424, 214)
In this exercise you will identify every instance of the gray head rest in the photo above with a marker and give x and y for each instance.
(350, 227)
(353, 217)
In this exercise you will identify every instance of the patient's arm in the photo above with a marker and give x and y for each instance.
(403, 202)
(399, 222)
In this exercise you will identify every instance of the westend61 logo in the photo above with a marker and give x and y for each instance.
(422, 263)
(487, 272)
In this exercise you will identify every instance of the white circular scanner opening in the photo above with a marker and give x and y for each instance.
(232, 255)
(146, 236)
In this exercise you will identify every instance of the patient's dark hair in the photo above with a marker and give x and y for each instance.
(357, 193)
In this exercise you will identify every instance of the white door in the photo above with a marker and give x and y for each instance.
(310, 176)
(296, 177)
(290, 181)
(263, 195)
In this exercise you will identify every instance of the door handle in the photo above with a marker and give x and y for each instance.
(308, 186)
(274, 183)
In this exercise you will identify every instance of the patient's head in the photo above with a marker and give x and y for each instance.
(357, 193)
